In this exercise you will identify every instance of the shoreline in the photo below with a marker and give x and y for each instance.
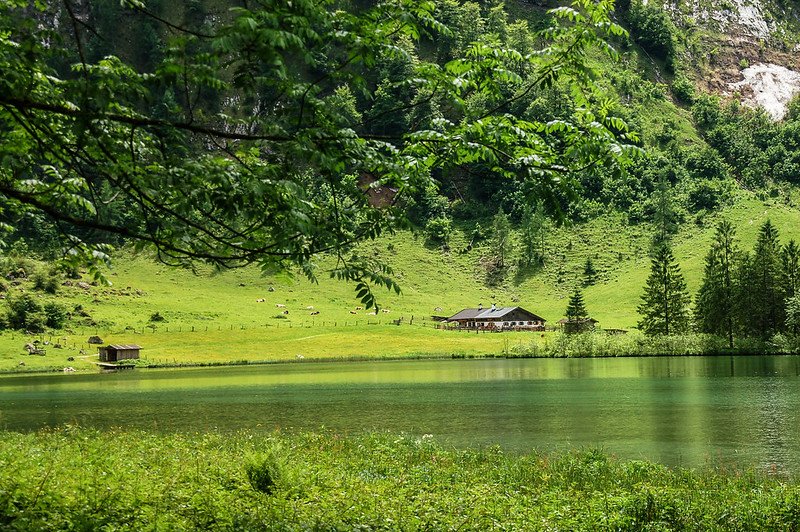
(372, 358)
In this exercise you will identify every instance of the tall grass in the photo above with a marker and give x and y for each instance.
(600, 344)
(119, 480)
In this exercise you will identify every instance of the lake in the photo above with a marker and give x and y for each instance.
(690, 411)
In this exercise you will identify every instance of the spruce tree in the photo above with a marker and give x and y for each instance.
(790, 261)
(501, 238)
(534, 230)
(576, 308)
(790, 272)
(665, 303)
(664, 216)
(715, 309)
(576, 312)
(589, 273)
(766, 313)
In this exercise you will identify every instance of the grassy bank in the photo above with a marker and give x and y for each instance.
(79, 479)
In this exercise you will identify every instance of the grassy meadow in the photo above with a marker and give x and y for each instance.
(79, 479)
(217, 317)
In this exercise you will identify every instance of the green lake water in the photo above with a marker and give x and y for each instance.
(691, 411)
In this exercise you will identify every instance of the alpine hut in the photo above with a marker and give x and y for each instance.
(497, 319)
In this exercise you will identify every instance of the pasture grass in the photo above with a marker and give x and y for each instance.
(216, 317)
(80, 479)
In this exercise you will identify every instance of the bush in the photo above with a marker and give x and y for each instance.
(683, 89)
(600, 344)
(47, 281)
(438, 229)
(652, 29)
(708, 195)
(271, 472)
(156, 316)
(25, 313)
(55, 315)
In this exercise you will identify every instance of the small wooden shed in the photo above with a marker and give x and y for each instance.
(113, 353)
(577, 326)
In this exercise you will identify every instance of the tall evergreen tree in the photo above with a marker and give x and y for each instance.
(665, 303)
(790, 274)
(576, 308)
(577, 314)
(589, 273)
(501, 237)
(765, 312)
(534, 229)
(715, 311)
(790, 262)
(664, 216)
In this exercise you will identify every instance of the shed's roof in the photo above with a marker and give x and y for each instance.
(563, 321)
(499, 312)
(122, 347)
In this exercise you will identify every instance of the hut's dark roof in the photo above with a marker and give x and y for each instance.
(499, 312)
(120, 347)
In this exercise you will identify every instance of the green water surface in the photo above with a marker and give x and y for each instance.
(691, 411)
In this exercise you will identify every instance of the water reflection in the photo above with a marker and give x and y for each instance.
(677, 410)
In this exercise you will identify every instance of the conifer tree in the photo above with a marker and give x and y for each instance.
(534, 229)
(576, 311)
(501, 238)
(589, 273)
(665, 303)
(764, 313)
(715, 311)
(793, 316)
(790, 260)
(664, 216)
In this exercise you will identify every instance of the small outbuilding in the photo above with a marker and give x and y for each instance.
(497, 319)
(114, 353)
(576, 326)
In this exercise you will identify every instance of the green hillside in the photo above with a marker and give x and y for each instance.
(217, 317)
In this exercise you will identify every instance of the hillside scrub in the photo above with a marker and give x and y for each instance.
(75, 478)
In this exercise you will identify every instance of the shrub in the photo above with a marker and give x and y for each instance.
(708, 195)
(271, 472)
(156, 316)
(47, 281)
(25, 313)
(683, 89)
(438, 229)
(55, 315)
(652, 29)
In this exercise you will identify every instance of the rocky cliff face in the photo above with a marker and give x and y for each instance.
(748, 50)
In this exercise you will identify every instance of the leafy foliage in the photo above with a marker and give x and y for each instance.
(235, 143)
(652, 29)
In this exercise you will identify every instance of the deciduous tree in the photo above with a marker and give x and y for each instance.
(233, 147)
